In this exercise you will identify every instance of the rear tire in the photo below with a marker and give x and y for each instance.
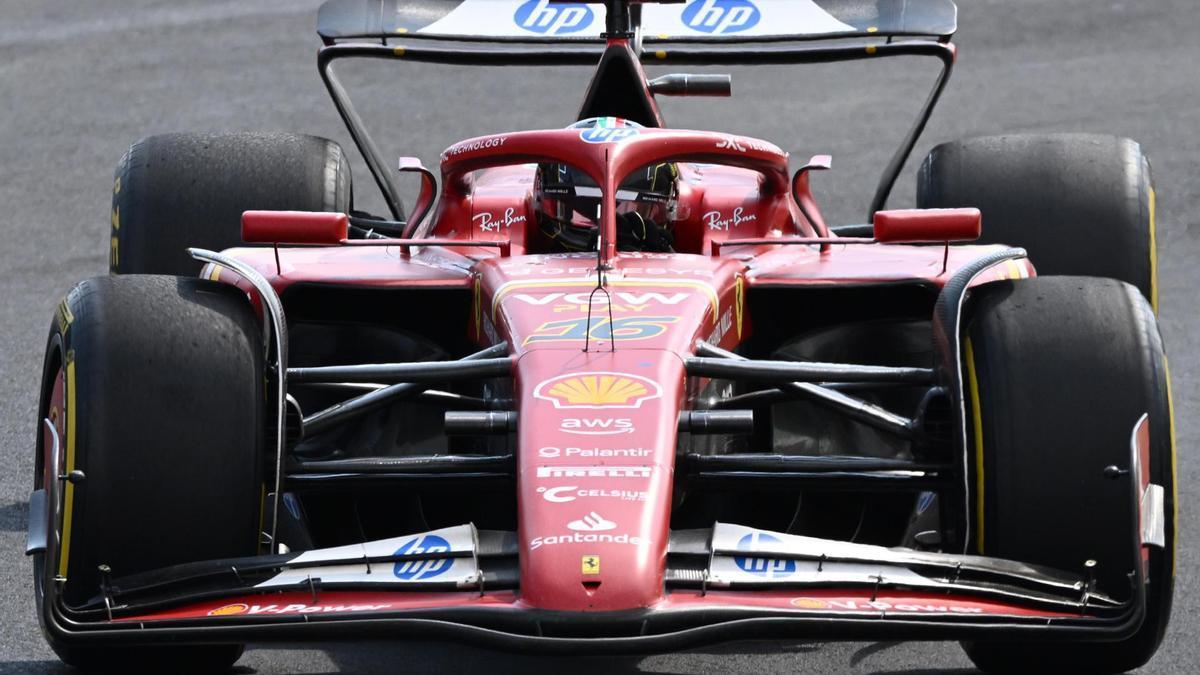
(174, 191)
(1080, 204)
(154, 385)
(1058, 371)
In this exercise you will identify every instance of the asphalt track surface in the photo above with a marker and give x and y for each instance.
(79, 81)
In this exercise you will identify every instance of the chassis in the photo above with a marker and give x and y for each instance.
(771, 432)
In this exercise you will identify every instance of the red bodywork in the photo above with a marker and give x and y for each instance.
(597, 434)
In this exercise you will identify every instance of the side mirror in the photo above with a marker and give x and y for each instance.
(294, 227)
(691, 85)
(910, 226)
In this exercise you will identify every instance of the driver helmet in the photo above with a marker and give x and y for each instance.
(568, 202)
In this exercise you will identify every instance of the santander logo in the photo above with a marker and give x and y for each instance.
(592, 522)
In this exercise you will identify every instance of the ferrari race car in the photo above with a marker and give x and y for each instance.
(612, 387)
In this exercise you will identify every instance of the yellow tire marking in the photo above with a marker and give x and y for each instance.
(1153, 255)
(661, 54)
(114, 245)
(214, 274)
(65, 317)
(69, 499)
(977, 420)
(398, 51)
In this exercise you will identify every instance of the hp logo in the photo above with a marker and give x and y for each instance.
(721, 16)
(539, 16)
(415, 570)
(771, 568)
(607, 134)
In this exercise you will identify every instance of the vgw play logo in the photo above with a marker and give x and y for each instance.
(720, 17)
(539, 16)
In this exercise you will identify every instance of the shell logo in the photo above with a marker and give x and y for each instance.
(230, 610)
(598, 390)
(809, 603)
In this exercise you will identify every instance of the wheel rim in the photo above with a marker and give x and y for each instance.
(55, 410)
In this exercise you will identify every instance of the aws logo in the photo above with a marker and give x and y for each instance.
(598, 390)
(602, 426)
(721, 17)
(560, 18)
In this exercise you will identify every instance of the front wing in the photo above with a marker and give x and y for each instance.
(726, 583)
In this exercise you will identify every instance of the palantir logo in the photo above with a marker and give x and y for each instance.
(415, 570)
(560, 18)
(771, 568)
(721, 16)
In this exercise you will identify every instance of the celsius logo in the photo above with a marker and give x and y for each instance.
(415, 570)
(607, 134)
(721, 16)
(560, 18)
(568, 493)
(771, 568)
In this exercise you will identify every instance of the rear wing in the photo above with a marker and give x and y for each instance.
(552, 21)
(686, 32)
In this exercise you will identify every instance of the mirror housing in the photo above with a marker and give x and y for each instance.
(294, 227)
(912, 226)
(680, 84)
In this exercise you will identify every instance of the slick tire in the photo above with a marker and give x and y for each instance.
(1080, 204)
(154, 386)
(175, 191)
(1057, 371)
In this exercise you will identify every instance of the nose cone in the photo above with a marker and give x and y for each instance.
(597, 444)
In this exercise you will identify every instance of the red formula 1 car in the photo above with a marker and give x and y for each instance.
(613, 387)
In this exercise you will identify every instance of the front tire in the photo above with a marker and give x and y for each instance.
(154, 386)
(1058, 372)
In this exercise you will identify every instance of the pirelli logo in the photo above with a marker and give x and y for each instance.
(594, 471)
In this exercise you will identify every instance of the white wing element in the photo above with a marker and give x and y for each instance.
(697, 18)
(450, 562)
